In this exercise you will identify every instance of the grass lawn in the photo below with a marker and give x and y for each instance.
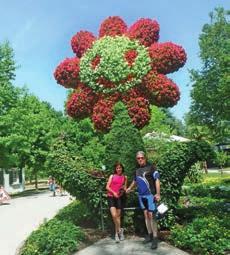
(216, 178)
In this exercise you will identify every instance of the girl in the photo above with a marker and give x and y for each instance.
(116, 187)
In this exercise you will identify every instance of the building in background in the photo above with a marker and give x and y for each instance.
(13, 180)
(165, 137)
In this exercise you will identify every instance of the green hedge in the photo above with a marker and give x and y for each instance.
(214, 191)
(59, 236)
(53, 238)
(204, 236)
(174, 165)
(77, 213)
(76, 176)
(204, 226)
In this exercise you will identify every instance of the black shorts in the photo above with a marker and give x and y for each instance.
(118, 203)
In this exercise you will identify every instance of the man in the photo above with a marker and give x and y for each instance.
(146, 178)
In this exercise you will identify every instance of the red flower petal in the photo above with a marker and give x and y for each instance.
(67, 72)
(144, 30)
(112, 26)
(82, 41)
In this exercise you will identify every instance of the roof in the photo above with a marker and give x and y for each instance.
(156, 135)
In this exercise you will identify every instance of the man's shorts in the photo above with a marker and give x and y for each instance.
(147, 203)
(115, 202)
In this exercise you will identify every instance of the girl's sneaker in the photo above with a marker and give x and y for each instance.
(121, 234)
(117, 240)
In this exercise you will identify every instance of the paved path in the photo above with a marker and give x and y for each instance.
(23, 215)
(132, 246)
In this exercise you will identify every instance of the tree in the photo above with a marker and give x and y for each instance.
(8, 99)
(8, 93)
(26, 132)
(157, 122)
(176, 125)
(123, 141)
(162, 121)
(7, 63)
(211, 85)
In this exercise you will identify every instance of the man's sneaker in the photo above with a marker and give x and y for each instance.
(154, 244)
(121, 235)
(148, 238)
(117, 240)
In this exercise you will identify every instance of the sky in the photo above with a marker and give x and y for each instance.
(40, 33)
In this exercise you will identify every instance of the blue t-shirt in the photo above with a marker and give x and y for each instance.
(145, 178)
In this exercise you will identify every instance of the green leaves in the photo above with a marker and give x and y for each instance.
(7, 63)
(26, 132)
(54, 237)
(113, 67)
(206, 235)
(122, 142)
(210, 93)
(174, 165)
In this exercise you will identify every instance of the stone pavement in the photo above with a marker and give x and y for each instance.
(25, 214)
(130, 246)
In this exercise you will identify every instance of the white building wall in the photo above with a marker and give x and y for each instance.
(16, 186)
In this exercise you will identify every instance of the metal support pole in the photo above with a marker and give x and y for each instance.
(102, 215)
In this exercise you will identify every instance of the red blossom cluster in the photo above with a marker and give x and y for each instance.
(139, 112)
(162, 91)
(167, 57)
(112, 26)
(106, 84)
(130, 56)
(103, 114)
(80, 103)
(67, 72)
(133, 93)
(82, 41)
(95, 62)
(144, 30)
(113, 98)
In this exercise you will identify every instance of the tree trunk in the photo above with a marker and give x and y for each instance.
(36, 180)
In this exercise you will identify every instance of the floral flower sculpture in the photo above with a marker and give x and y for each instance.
(127, 64)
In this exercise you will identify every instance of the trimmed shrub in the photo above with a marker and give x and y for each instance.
(195, 174)
(122, 142)
(175, 164)
(214, 191)
(76, 176)
(77, 213)
(53, 238)
(204, 236)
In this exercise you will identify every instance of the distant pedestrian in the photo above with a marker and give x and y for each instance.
(60, 190)
(4, 196)
(52, 185)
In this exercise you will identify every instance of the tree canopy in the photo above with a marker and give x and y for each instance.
(211, 85)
